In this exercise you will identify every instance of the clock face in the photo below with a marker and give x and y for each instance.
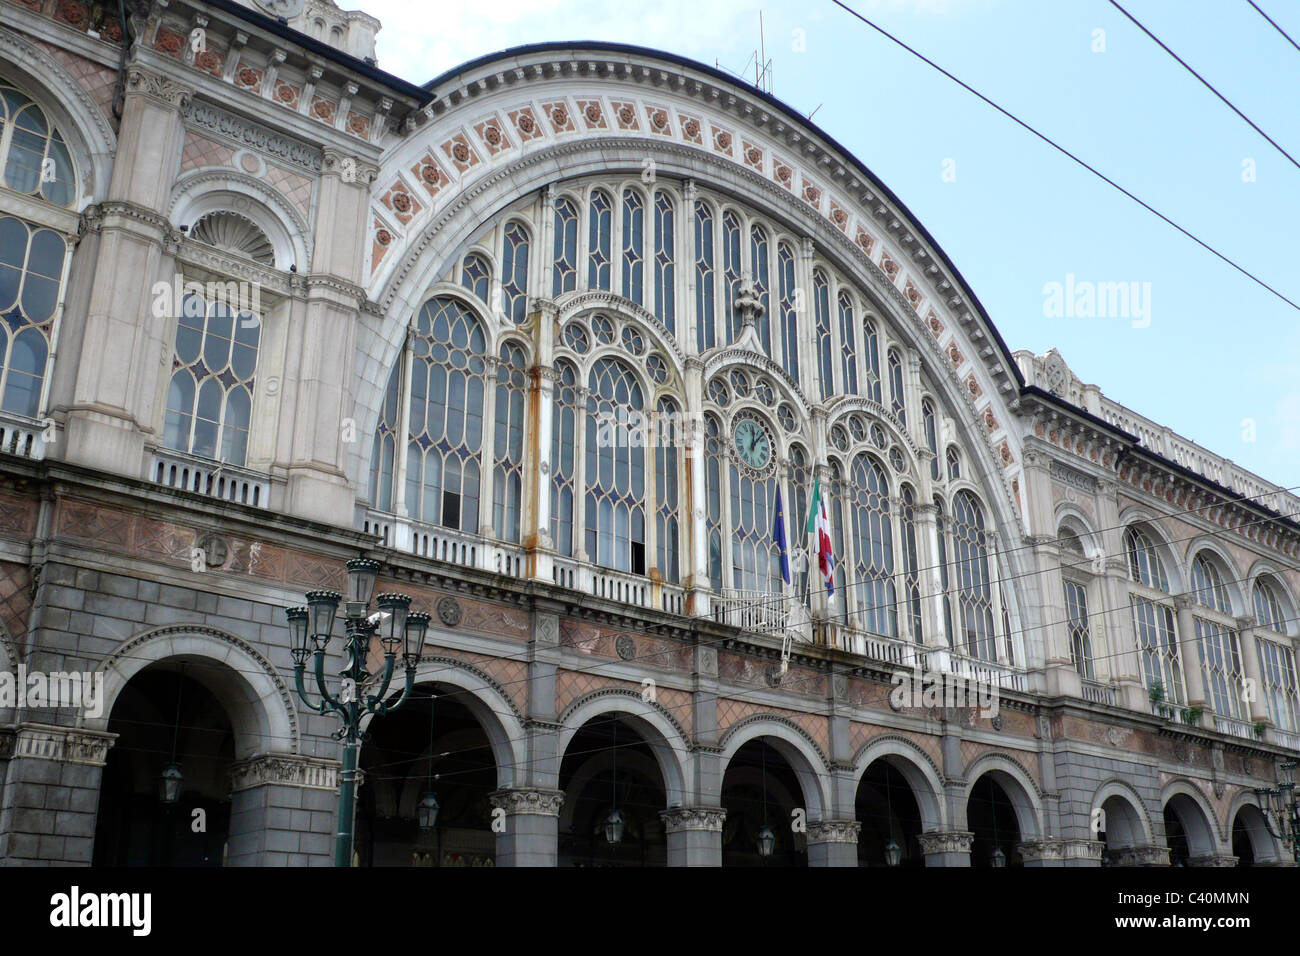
(752, 444)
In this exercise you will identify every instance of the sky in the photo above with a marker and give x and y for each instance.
(1213, 356)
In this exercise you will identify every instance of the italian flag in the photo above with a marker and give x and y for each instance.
(819, 524)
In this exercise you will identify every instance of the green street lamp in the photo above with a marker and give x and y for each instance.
(427, 811)
(310, 629)
(766, 841)
(893, 853)
(1280, 802)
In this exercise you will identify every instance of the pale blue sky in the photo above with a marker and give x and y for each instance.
(1218, 350)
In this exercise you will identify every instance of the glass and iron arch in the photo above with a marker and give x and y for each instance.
(873, 547)
(614, 516)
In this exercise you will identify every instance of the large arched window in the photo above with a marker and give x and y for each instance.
(1154, 623)
(665, 266)
(1276, 658)
(704, 329)
(564, 435)
(615, 516)
(848, 344)
(1268, 610)
(633, 246)
(911, 561)
(730, 273)
(789, 314)
(210, 398)
(822, 318)
(713, 497)
(507, 473)
(974, 592)
(514, 273)
(33, 154)
(476, 275)
(667, 539)
(873, 547)
(759, 248)
(1207, 585)
(754, 562)
(871, 352)
(1216, 640)
(31, 271)
(599, 240)
(564, 271)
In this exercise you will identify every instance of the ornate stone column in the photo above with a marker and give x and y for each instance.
(283, 811)
(1140, 856)
(1193, 675)
(529, 829)
(694, 835)
(695, 499)
(1257, 703)
(833, 843)
(947, 848)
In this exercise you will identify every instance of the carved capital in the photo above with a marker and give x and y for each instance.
(708, 819)
(541, 803)
(290, 770)
(1139, 856)
(834, 831)
(46, 742)
(949, 841)
(161, 89)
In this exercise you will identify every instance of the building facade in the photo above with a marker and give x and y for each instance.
(549, 337)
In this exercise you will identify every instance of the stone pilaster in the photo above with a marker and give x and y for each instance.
(694, 835)
(530, 827)
(833, 843)
(947, 848)
(283, 811)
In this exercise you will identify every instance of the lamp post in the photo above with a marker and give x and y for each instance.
(310, 629)
(1280, 801)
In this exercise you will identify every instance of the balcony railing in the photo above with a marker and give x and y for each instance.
(22, 437)
(1235, 727)
(986, 672)
(209, 478)
(445, 544)
(1098, 693)
(1286, 739)
(760, 612)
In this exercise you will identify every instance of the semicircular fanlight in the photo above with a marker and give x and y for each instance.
(232, 232)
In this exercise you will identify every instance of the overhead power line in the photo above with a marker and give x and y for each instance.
(1273, 24)
(1065, 152)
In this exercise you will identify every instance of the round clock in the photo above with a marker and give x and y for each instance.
(753, 444)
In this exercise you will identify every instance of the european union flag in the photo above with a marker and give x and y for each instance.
(778, 535)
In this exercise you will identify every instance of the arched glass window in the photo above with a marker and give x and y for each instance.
(758, 253)
(599, 233)
(911, 561)
(789, 315)
(822, 318)
(383, 458)
(633, 246)
(508, 437)
(476, 275)
(564, 272)
(616, 512)
(713, 496)
(33, 155)
(897, 401)
(974, 592)
(210, 399)
(665, 267)
(1268, 610)
(941, 528)
(667, 541)
(755, 565)
(953, 457)
(1144, 562)
(31, 272)
(871, 351)
(838, 540)
(931, 426)
(1076, 622)
(563, 456)
(848, 344)
(704, 339)
(873, 547)
(1207, 584)
(514, 277)
(730, 272)
(796, 516)
(1277, 662)
(446, 416)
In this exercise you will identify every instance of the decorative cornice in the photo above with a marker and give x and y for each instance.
(63, 744)
(289, 770)
(243, 132)
(706, 819)
(539, 803)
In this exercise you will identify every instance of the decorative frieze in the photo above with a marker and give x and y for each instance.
(1071, 477)
(247, 133)
(289, 770)
(63, 744)
(834, 831)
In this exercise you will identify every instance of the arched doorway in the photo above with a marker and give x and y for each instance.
(888, 812)
(608, 766)
(164, 716)
(1121, 828)
(1187, 830)
(1252, 844)
(991, 817)
(432, 744)
(759, 789)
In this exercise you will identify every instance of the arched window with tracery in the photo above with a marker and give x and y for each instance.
(754, 562)
(930, 424)
(897, 399)
(633, 246)
(564, 435)
(759, 248)
(822, 318)
(941, 528)
(704, 329)
(796, 514)
(1268, 609)
(615, 514)
(446, 416)
(1276, 658)
(730, 273)
(665, 263)
(514, 272)
(1216, 640)
(871, 352)
(31, 273)
(873, 547)
(33, 154)
(599, 239)
(667, 539)
(848, 344)
(713, 497)
(974, 590)
(1154, 623)
(508, 438)
(789, 315)
(476, 275)
(210, 398)
(911, 561)
(564, 271)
